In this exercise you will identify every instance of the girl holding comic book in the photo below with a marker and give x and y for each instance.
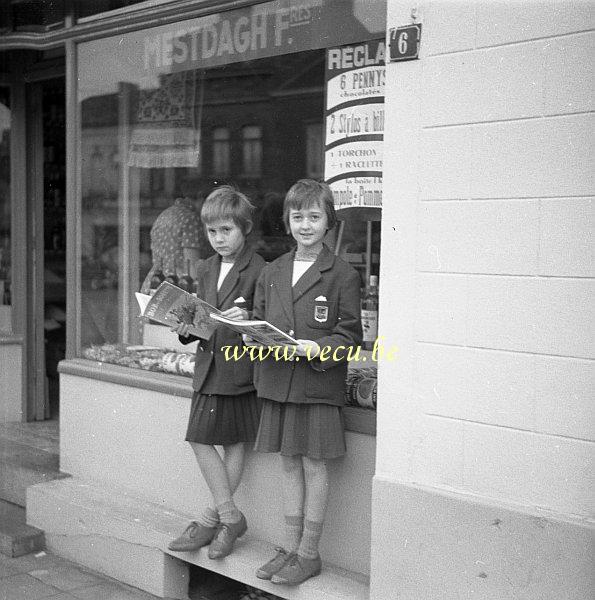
(225, 410)
(313, 296)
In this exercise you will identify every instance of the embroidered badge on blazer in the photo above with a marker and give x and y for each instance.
(321, 309)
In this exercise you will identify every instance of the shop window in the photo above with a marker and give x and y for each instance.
(143, 159)
(164, 120)
(252, 150)
(315, 150)
(221, 152)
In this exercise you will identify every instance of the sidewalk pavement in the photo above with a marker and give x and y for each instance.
(42, 575)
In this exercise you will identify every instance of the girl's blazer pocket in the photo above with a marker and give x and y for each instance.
(322, 314)
(243, 372)
(318, 386)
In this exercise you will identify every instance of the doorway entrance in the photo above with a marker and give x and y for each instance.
(54, 227)
(46, 249)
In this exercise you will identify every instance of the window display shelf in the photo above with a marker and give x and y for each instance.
(358, 420)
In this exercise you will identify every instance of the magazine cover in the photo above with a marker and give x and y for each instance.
(170, 305)
(261, 331)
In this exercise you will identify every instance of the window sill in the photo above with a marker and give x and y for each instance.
(175, 385)
(358, 420)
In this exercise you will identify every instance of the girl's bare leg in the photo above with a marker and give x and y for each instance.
(213, 470)
(234, 464)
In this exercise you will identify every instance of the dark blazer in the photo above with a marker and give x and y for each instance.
(212, 373)
(334, 323)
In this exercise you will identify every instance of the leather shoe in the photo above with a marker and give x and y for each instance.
(274, 565)
(297, 569)
(226, 535)
(195, 536)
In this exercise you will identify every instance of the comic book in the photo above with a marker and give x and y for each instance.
(260, 331)
(170, 305)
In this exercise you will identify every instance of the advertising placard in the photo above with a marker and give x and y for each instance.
(354, 122)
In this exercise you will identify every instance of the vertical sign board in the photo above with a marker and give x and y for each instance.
(354, 119)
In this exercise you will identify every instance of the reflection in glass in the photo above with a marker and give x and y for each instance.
(315, 150)
(221, 150)
(252, 150)
(143, 187)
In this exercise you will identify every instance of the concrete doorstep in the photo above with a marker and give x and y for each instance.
(112, 532)
(16, 537)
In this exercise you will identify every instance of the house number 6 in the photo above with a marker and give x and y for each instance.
(402, 42)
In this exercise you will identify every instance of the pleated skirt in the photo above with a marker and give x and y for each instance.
(216, 419)
(313, 430)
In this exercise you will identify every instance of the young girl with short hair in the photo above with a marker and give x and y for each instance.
(225, 410)
(315, 297)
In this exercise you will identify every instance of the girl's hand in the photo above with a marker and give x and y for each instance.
(181, 329)
(308, 348)
(236, 313)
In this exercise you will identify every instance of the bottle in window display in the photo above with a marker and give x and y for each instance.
(156, 278)
(186, 282)
(370, 314)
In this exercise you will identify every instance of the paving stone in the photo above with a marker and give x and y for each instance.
(111, 591)
(25, 587)
(7, 568)
(66, 577)
(33, 562)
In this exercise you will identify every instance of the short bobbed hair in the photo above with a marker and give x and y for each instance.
(225, 202)
(307, 193)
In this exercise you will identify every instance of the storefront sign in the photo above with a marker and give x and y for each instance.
(404, 42)
(355, 81)
(278, 27)
(253, 32)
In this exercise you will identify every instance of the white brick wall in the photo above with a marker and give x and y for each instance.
(566, 237)
(489, 284)
(492, 237)
(531, 158)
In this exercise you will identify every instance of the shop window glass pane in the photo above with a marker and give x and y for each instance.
(5, 208)
(160, 128)
(221, 152)
(315, 150)
(252, 150)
